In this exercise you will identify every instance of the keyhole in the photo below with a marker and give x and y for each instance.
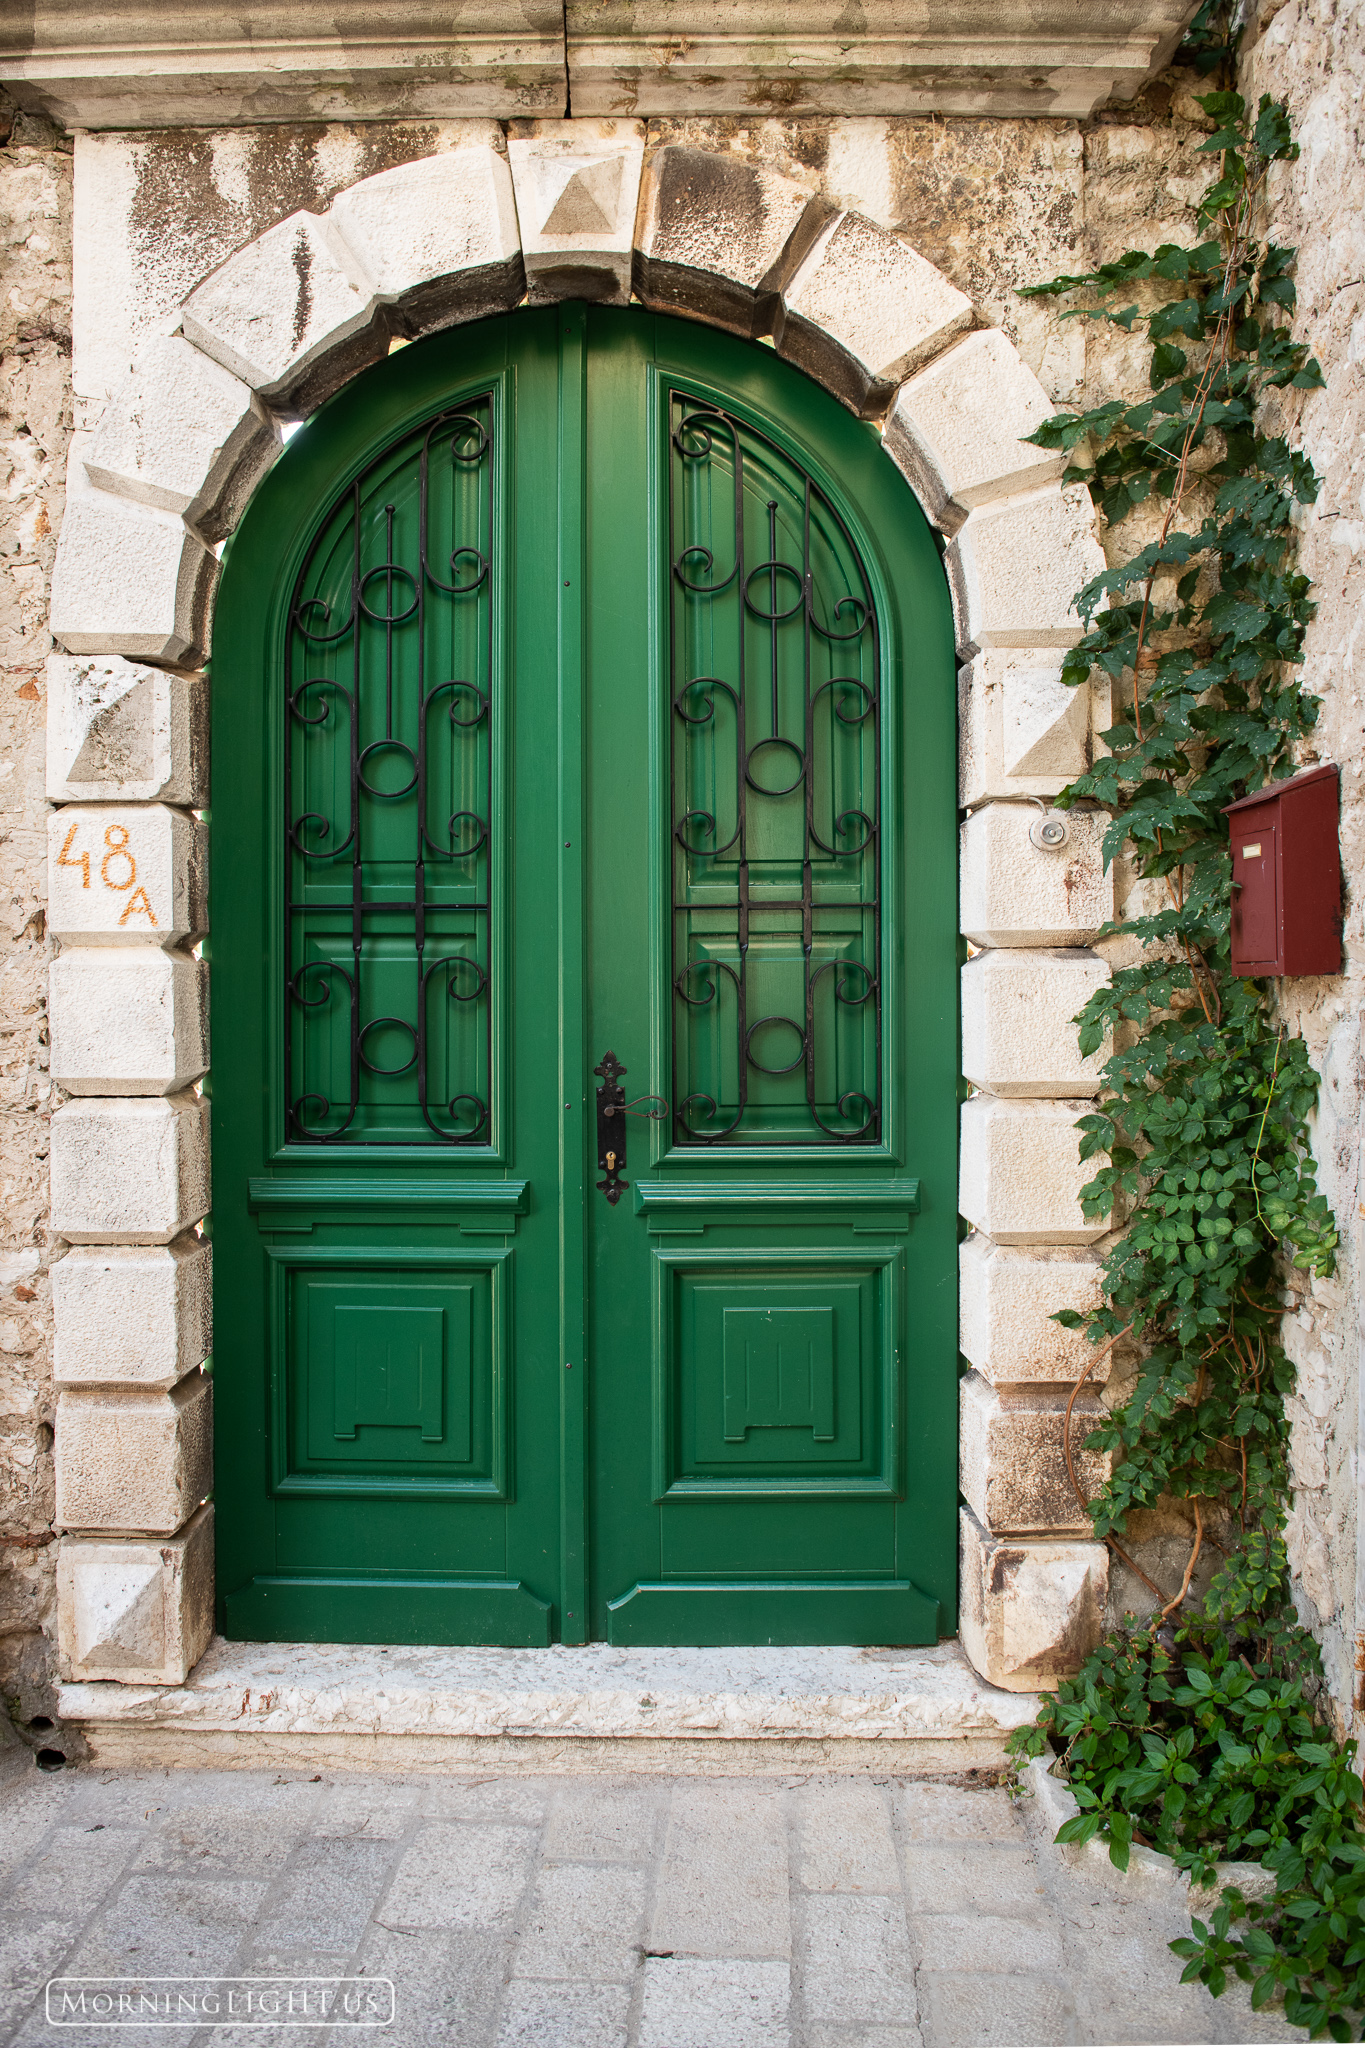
(611, 1162)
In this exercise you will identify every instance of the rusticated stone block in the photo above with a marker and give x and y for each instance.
(1021, 1173)
(138, 1611)
(1008, 1296)
(1018, 1021)
(132, 1315)
(1022, 731)
(577, 184)
(183, 434)
(1011, 1460)
(956, 431)
(1013, 893)
(134, 1460)
(865, 310)
(128, 1020)
(131, 580)
(439, 234)
(719, 235)
(130, 1170)
(1031, 1612)
(126, 875)
(292, 314)
(120, 729)
(1016, 566)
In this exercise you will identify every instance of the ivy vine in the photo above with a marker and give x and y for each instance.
(1200, 1732)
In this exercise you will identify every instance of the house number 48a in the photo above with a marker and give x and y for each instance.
(117, 870)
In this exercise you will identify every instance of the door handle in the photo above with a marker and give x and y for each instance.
(612, 1111)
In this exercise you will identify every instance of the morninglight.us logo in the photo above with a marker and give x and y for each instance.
(220, 2002)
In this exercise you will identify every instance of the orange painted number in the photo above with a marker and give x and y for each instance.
(67, 859)
(116, 849)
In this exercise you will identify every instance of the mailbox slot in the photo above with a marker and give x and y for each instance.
(1286, 877)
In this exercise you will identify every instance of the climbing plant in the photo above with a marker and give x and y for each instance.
(1199, 1731)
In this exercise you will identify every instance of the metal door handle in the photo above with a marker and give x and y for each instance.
(612, 1111)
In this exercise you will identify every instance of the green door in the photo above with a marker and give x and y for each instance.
(584, 983)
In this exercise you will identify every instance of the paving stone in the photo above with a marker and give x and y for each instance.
(503, 1799)
(933, 1813)
(857, 1964)
(446, 1986)
(169, 1926)
(986, 1942)
(692, 2002)
(74, 1873)
(862, 2037)
(329, 1893)
(846, 1845)
(723, 1884)
(564, 2016)
(973, 2009)
(970, 1877)
(458, 1877)
(610, 1825)
(582, 1922)
(30, 1953)
(379, 1813)
(197, 1837)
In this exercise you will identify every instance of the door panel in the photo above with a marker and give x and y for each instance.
(583, 682)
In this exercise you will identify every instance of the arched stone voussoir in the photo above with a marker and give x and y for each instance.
(718, 237)
(957, 429)
(1016, 566)
(185, 435)
(130, 579)
(864, 311)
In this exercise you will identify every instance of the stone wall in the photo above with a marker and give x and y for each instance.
(996, 204)
(1311, 53)
(35, 420)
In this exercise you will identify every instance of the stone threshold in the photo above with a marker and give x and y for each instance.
(907, 1712)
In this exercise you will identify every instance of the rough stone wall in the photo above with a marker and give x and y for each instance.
(35, 420)
(1311, 54)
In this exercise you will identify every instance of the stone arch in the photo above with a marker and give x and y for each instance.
(568, 210)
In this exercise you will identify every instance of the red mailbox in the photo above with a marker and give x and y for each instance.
(1286, 877)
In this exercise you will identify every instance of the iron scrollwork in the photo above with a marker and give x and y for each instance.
(388, 777)
(776, 773)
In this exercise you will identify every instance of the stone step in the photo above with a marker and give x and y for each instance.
(906, 1712)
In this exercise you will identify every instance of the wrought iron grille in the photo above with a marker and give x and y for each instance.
(776, 770)
(388, 771)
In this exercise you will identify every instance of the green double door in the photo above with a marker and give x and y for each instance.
(584, 1009)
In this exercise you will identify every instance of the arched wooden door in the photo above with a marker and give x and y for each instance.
(584, 732)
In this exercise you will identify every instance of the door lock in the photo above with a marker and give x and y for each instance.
(612, 1111)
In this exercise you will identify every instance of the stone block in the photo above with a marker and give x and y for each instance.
(133, 1170)
(1030, 1611)
(183, 434)
(865, 310)
(1018, 1029)
(134, 1460)
(577, 185)
(129, 579)
(1013, 893)
(719, 236)
(1016, 566)
(1007, 1297)
(956, 431)
(126, 875)
(1011, 1462)
(120, 729)
(437, 236)
(1022, 731)
(1021, 1173)
(292, 314)
(139, 1612)
(128, 1020)
(132, 1315)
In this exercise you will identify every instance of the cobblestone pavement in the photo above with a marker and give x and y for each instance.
(587, 1912)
